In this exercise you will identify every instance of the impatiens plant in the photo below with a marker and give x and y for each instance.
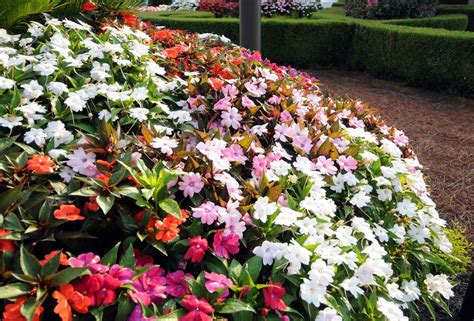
(152, 174)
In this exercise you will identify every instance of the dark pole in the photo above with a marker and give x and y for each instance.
(250, 29)
(467, 308)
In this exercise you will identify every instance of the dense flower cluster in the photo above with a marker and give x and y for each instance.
(148, 172)
(271, 8)
(220, 8)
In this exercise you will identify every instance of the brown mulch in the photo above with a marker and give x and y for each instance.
(440, 127)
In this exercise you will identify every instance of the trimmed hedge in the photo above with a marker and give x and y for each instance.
(450, 22)
(180, 13)
(459, 9)
(426, 57)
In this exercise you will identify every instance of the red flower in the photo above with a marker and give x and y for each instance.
(99, 288)
(92, 205)
(68, 213)
(273, 295)
(62, 258)
(88, 6)
(199, 309)
(13, 311)
(6, 245)
(40, 164)
(216, 83)
(129, 19)
(223, 245)
(69, 299)
(197, 249)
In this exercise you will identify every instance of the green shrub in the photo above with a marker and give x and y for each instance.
(459, 9)
(390, 9)
(450, 22)
(460, 258)
(150, 15)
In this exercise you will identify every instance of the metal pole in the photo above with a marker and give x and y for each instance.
(250, 24)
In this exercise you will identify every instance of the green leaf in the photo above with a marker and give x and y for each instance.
(85, 192)
(29, 263)
(173, 316)
(14, 290)
(29, 308)
(51, 265)
(128, 260)
(234, 305)
(105, 202)
(110, 258)
(254, 266)
(67, 275)
(45, 211)
(98, 313)
(235, 269)
(6, 142)
(9, 197)
(171, 206)
(29, 150)
(125, 307)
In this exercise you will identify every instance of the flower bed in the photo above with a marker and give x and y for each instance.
(154, 174)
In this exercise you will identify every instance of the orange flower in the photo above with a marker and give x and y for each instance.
(6, 245)
(168, 228)
(69, 213)
(216, 83)
(151, 222)
(104, 177)
(13, 311)
(106, 164)
(62, 258)
(69, 299)
(40, 164)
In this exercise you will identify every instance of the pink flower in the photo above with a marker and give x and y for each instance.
(137, 315)
(285, 116)
(400, 139)
(231, 118)
(150, 287)
(89, 260)
(121, 274)
(247, 102)
(234, 153)
(347, 163)
(216, 282)
(191, 184)
(230, 91)
(326, 166)
(273, 295)
(303, 142)
(199, 309)
(177, 284)
(207, 212)
(197, 249)
(223, 104)
(223, 245)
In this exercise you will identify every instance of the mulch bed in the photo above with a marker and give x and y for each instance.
(441, 129)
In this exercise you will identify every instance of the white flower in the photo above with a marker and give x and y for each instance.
(394, 292)
(36, 135)
(138, 50)
(76, 102)
(262, 208)
(104, 114)
(181, 116)
(399, 231)
(6, 83)
(443, 243)
(390, 148)
(390, 310)
(411, 291)
(419, 233)
(10, 121)
(57, 88)
(30, 111)
(381, 233)
(360, 199)
(311, 292)
(321, 273)
(140, 93)
(344, 236)
(164, 144)
(269, 251)
(152, 69)
(296, 256)
(280, 167)
(32, 90)
(406, 207)
(139, 114)
(100, 72)
(82, 162)
(56, 153)
(328, 314)
(307, 225)
(384, 194)
(352, 285)
(45, 69)
(439, 284)
(360, 225)
(57, 130)
(287, 217)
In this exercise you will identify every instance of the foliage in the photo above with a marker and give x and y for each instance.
(220, 8)
(459, 9)
(271, 8)
(13, 11)
(152, 174)
(462, 248)
(390, 9)
(426, 57)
